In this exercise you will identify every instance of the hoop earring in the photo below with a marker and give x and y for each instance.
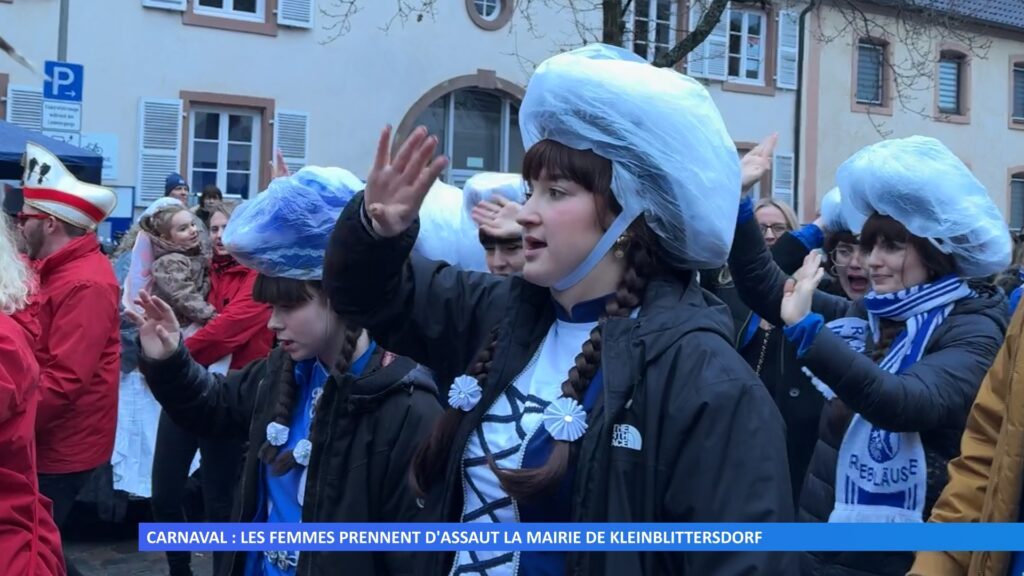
(620, 246)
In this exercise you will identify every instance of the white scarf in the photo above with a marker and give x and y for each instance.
(881, 476)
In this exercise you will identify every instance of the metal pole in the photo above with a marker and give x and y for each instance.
(62, 37)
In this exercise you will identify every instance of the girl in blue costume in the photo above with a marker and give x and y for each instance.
(607, 389)
(331, 417)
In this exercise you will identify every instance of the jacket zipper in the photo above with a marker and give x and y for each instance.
(635, 368)
(304, 567)
(465, 452)
(241, 488)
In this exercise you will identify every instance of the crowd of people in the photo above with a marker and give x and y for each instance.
(619, 333)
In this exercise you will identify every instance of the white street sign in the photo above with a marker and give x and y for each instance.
(66, 116)
(105, 145)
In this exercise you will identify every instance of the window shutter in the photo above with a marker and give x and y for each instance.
(159, 147)
(176, 5)
(716, 51)
(295, 13)
(869, 73)
(782, 178)
(949, 86)
(1018, 92)
(789, 47)
(1017, 202)
(696, 63)
(291, 137)
(25, 107)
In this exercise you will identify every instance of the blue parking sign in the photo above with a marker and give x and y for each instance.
(63, 81)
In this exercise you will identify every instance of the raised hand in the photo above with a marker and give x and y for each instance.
(497, 217)
(396, 187)
(278, 168)
(159, 332)
(799, 290)
(757, 162)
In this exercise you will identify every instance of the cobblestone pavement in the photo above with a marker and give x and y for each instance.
(98, 548)
(122, 558)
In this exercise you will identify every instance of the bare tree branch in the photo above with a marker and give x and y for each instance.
(696, 37)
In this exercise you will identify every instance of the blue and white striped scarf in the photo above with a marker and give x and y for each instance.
(881, 476)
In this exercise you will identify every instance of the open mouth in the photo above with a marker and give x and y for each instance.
(531, 243)
(859, 283)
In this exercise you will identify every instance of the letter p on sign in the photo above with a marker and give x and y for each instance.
(63, 81)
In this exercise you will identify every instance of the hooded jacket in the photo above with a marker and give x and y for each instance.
(798, 401)
(180, 279)
(358, 469)
(932, 397)
(240, 327)
(79, 357)
(706, 444)
(29, 540)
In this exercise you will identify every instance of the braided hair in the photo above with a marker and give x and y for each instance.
(639, 251)
(289, 292)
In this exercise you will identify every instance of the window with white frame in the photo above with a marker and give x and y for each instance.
(1018, 93)
(746, 46)
(1017, 201)
(224, 150)
(254, 10)
(653, 30)
(488, 9)
(950, 78)
(870, 73)
(478, 131)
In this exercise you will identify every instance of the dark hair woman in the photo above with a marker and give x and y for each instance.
(901, 367)
(332, 419)
(601, 385)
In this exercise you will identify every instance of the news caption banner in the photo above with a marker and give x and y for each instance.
(582, 537)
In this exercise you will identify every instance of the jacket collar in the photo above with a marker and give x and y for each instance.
(384, 375)
(74, 250)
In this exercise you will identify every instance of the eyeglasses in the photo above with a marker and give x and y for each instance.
(23, 217)
(777, 229)
(844, 253)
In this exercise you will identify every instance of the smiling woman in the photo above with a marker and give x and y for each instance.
(899, 368)
(179, 262)
(897, 259)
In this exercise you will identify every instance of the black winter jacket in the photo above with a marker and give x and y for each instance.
(712, 450)
(933, 397)
(359, 466)
(796, 398)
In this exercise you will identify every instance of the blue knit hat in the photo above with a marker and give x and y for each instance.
(173, 181)
(283, 232)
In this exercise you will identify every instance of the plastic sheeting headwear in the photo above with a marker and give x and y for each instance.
(672, 158)
(831, 212)
(486, 185)
(924, 186)
(446, 233)
(284, 231)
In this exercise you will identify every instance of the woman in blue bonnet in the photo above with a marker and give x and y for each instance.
(601, 384)
(332, 419)
(900, 368)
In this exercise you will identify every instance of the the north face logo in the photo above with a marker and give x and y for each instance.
(626, 436)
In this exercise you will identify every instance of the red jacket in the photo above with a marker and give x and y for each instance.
(29, 540)
(79, 353)
(240, 327)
